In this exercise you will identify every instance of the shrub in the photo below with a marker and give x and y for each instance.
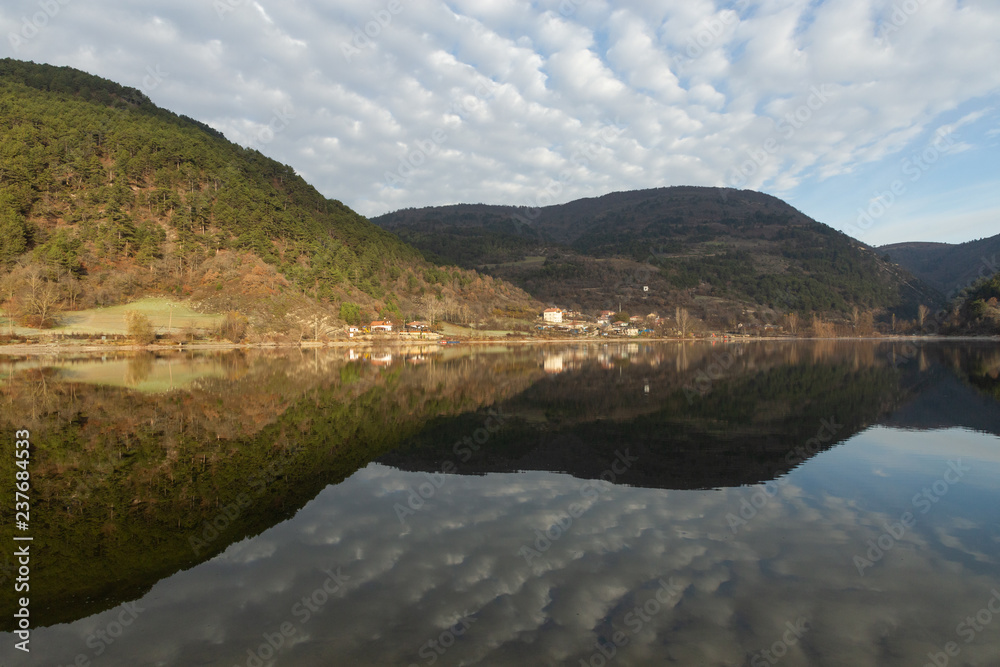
(139, 328)
(233, 327)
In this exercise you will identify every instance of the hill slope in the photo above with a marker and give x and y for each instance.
(105, 197)
(709, 247)
(947, 267)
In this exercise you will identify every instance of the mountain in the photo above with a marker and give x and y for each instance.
(104, 198)
(724, 253)
(949, 268)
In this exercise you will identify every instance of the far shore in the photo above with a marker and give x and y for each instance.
(64, 346)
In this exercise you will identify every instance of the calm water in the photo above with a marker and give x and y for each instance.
(754, 504)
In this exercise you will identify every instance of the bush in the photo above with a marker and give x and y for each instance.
(139, 328)
(233, 327)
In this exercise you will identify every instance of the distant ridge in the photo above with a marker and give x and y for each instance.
(949, 268)
(718, 250)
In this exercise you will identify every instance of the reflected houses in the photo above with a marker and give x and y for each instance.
(410, 355)
(606, 356)
(553, 364)
(381, 359)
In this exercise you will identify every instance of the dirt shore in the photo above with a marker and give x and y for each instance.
(68, 347)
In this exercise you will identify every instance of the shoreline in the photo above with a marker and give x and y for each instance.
(63, 347)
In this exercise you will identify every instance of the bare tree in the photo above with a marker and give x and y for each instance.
(683, 319)
(40, 297)
(922, 311)
(431, 306)
(793, 322)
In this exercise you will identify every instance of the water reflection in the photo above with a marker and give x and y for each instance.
(673, 561)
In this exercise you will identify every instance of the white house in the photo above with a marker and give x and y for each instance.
(553, 315)
(381, 326)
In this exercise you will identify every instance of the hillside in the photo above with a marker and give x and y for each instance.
(949, 268)
(105, 198)
(725, 253)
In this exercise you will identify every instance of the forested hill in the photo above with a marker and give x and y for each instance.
(949, 267)
(715, 249)
(105, 197)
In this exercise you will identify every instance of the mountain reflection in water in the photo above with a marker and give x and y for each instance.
(456, 506)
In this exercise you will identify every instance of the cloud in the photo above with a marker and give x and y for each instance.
(730, 594)
(697, 86)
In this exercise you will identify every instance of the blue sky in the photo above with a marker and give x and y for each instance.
(877, 117)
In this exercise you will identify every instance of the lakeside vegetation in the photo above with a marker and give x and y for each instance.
(112, 208)
(105, 198)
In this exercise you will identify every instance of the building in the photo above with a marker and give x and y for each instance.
(417, 326)
(605, 316)
(553, 315)
(380, 326)
(352, 331)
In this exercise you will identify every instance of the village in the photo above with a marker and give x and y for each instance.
(559, 322)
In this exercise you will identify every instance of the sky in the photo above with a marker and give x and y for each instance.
(472, 558)
(880, 118)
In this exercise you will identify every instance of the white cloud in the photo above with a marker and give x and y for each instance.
(696, 85)
(460, 557)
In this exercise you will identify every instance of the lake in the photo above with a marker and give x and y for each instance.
(752, 503)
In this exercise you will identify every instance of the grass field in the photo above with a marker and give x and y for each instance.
(163, 313)
(140, 373)
(449, 330)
